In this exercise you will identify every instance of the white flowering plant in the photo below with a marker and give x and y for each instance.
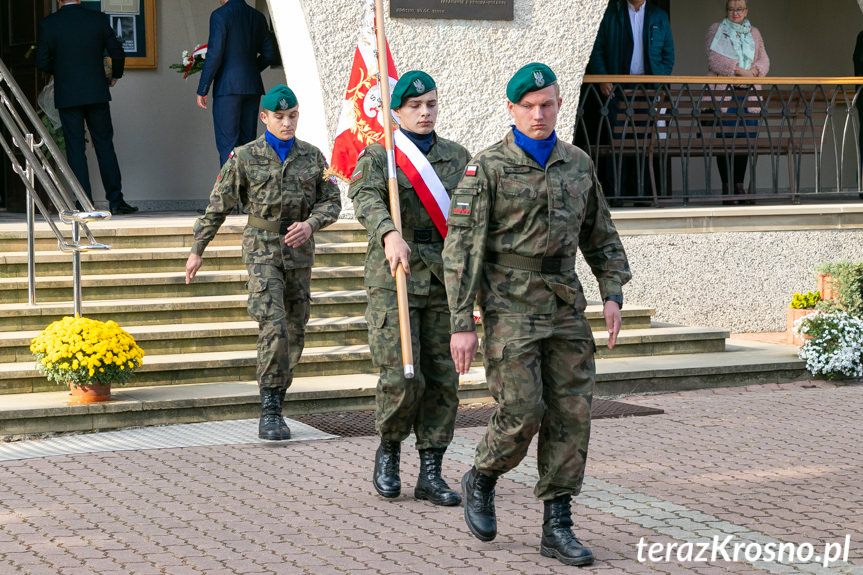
(834, 347)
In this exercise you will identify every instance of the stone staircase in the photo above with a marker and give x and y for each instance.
(200, 341)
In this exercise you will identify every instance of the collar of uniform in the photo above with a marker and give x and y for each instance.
(439, 153)
(264, 150)
(558, 154)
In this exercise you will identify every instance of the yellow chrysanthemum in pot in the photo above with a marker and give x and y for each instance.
(83, 351)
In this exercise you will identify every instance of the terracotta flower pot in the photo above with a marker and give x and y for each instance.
(791, 316)
(89, 393)
(825, 286)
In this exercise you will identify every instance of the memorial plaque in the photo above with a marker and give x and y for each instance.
(461, 9)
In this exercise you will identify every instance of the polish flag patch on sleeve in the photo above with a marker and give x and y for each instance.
(470, 170)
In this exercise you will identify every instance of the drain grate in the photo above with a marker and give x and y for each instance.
(362, 423)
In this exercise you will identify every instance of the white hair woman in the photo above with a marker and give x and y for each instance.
(735, 48)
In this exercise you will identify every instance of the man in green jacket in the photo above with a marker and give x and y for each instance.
(280, 180)
(522, 209)
(429, 167)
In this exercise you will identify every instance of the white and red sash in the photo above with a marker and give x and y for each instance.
(423, 178)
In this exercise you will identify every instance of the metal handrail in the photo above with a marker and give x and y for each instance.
(646, 134)
(56, 179)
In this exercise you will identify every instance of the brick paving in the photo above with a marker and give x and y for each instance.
(771, 465)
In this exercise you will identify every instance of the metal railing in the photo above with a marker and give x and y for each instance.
(654, 138)
(24, 130)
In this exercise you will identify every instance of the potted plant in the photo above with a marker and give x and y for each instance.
(847, 288)
(833, 345)
(801, 305)
(86, 354)
(826, 271)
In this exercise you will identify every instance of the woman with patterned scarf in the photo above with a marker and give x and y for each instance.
(735, 48)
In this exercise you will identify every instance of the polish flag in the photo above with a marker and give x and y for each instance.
(360, 122)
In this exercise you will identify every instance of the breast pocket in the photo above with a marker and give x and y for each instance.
(515, 187)
(309, 186)
(259, 182)
(576, 196)
(515, 202)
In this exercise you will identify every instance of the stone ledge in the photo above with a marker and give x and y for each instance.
(738, 219)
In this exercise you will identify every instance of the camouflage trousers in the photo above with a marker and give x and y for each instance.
(429, 401)
(540, 369)
(280, 301)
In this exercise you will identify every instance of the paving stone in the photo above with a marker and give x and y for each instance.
(714, 464)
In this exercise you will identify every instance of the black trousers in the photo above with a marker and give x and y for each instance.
(738, 170)
(235, 120)
(97, 118)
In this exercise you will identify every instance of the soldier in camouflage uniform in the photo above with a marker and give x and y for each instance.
(429, 401)
(279, 180)
(518, 215)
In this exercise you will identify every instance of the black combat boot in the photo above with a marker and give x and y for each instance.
(557, 538)
(478, 492)
(283, 426)
(272, 425)
(430, 485)
(386, 477)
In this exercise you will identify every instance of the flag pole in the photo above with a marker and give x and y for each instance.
(392, 182)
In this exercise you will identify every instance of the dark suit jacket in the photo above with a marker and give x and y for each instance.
(238, 49)
(612, 51)
(72, 45)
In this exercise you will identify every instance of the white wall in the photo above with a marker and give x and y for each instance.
(470, 60)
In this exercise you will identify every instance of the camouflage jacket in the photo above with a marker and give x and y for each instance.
(506, 203)
(295, 190)
(370, 195)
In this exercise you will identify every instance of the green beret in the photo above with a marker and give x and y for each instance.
(279, 98)
(413, 83)
(534, 76)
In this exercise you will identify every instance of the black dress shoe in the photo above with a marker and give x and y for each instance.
(124, 208)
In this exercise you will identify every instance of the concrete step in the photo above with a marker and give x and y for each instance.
(158, 231)
(185, 368)
(334, 331)
(227, 308)
(161, 259)
(743, 363)
(155, 311)
(164, 284)
(205, 337)
(175, 359)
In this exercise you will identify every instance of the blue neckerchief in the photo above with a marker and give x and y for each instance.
(539, 150)
(281, 147)
(422, 141)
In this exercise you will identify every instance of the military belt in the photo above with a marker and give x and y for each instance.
(276, 226)
(549, 265)
(422, 235)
